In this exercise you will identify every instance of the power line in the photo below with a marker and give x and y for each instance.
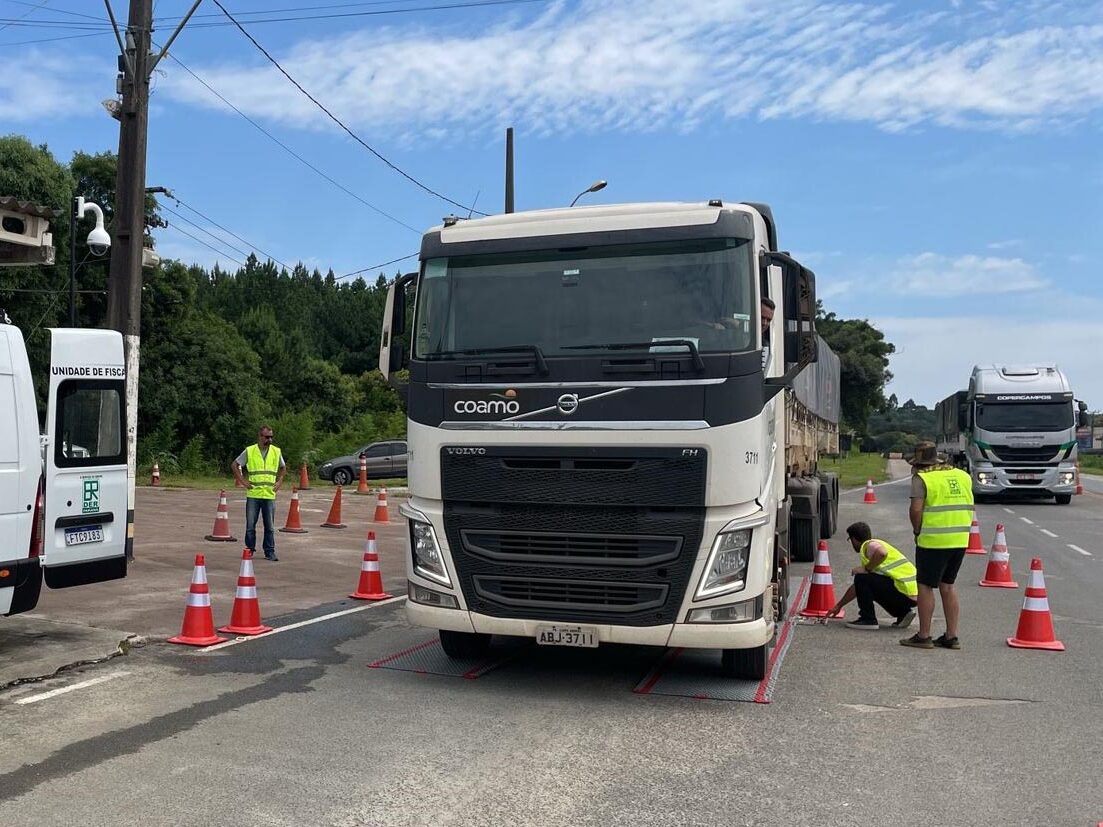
(373, 267)
(26, 14)
(292, 152)
(55, 39)
(303, 8)
(205, 244)
(247, 243)
(57, 10)
(441, 7)
(337, 121)
(207, 232)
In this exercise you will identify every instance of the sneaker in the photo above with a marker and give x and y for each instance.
(905, 620)
(272, 557)
(917, 642)
(947, 642)
(864, 623)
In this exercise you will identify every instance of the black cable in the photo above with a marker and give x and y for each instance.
(337, 121)
(59, 11)
(295, 8)
(205, 244)
(54, 39)
(205, 231)
(373, 267)
(292, 152)
(207, 218)
(441, 7)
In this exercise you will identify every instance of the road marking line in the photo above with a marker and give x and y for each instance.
(1025, 520)
(300, 624)
(1077, 548)
(1047, 532)
(1009, 510)
(53, 693)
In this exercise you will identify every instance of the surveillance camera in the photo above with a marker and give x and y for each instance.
(99, 241)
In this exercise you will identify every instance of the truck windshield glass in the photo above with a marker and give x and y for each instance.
(1025, 416)
(701, 291)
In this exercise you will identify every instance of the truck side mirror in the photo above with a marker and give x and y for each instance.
(1084, 420)
(391, 354)
(798, 288)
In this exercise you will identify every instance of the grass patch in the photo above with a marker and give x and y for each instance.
(855, 468)
(1091, 463)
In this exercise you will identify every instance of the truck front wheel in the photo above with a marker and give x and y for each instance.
(464, 645)
(744, 664)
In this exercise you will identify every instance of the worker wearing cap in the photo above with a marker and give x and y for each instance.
(941, 515)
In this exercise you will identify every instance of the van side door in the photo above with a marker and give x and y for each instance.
(86, 474)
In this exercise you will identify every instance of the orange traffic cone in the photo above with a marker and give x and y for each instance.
(1035, 622)
(870, 497)
(294, 523)
(362, 485)
(998, 573)
(975, 546)
(1079, 484)
(382, 515)
(304, 478)
(198, 628)
(155, 475)
(821, 597)
(221, 531)
(334, 518)
(245, 617)
(371, 581)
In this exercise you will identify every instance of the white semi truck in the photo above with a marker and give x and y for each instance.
(63, 495)
(604, 446)
(1014, 431)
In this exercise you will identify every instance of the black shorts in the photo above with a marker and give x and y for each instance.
(937, 565)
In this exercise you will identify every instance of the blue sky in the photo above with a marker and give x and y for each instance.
(939, 164)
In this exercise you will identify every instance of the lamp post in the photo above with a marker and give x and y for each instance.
(98, 241)
(594, 187)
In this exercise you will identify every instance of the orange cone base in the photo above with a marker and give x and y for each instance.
(196, 641)
(216, 539)
(822, 613)
(334, 525)
(975, 551)
(365, 596)
(245, 630)
(1053, 645)
(364, 493)
(293, 530)
(999, 584)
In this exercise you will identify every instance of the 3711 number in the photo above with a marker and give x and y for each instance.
(751, 457)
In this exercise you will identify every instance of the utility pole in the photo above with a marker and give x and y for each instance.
(124, 283)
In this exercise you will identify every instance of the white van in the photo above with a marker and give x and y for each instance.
(63, 495)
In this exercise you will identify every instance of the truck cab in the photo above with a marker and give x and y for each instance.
(63, 491)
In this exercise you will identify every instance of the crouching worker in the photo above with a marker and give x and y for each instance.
(885, 577)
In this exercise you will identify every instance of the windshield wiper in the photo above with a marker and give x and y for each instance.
(686, 343)
(541, 363)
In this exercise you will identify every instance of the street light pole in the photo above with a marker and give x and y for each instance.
(73, 263)
(594, 187)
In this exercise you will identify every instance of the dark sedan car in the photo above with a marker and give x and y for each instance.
(385, 460)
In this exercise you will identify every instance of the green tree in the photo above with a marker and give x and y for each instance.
(864, 360)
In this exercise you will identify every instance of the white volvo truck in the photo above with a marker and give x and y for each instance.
(63, 512)
(1014, 431)
(597, 428)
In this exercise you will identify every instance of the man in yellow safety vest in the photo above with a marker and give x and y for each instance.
(264, 464)
(941, 515)
(885, 577)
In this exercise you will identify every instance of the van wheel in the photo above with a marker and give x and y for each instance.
(744, 664)
(1063, 499)
(342, 476)
(464, 645)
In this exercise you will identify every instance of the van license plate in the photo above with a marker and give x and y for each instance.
(582, 636)
(80, 536)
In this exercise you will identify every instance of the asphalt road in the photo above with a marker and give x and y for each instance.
(295, 729)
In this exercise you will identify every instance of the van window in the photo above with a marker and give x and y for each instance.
(89, 427)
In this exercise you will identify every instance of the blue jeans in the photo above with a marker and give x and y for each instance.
(267, 508)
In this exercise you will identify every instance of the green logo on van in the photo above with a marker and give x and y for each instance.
(91, 496)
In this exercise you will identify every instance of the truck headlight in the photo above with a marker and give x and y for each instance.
(1066, 477)
(732, 613)
(727, 565)
(428, 559)
(428, 597)
(986, 477)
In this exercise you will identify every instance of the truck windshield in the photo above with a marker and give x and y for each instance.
(1025, 416)
(700, 291)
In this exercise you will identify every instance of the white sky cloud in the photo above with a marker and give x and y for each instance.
(34, 86)
(600, 64)
(931, 274)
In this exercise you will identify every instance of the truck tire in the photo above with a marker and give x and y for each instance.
(744, 664)
(1063, 499)
(804, 534)
(464, 645)
(828, 511)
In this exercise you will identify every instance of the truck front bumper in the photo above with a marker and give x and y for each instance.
(1043, 481)
(747, 635)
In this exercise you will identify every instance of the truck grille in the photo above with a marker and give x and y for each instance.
(1014, 453)
(565, 547)
(577, 595)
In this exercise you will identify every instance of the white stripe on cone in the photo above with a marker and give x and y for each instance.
(821, 579)
(1036, 604)
(199, 575)
(1036, 580)
(200, 600)
(247, 592)
(247, 568)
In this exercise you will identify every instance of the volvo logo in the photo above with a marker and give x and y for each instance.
(567, 403)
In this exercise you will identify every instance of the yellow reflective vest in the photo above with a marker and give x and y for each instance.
(895, 565)
(947, 509)
(262, 471)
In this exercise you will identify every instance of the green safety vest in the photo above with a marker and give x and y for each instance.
(948, 509)
(262, 472)
(896, 566)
